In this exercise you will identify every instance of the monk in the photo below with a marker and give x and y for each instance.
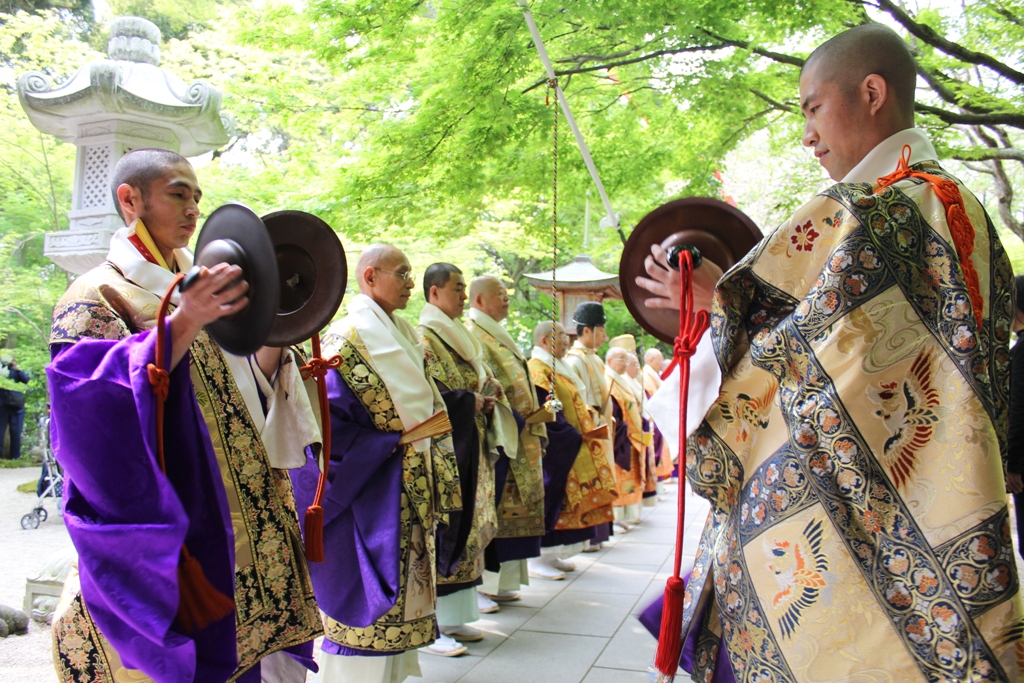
(584, 502)
(582, 357)
(393, 488)
(233, 426)
(475, 403)
(854, 455)
(521, 500)
(629, 446)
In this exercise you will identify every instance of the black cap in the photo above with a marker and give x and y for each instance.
(589, 314)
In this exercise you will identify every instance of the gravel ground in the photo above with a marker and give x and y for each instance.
(26, 659)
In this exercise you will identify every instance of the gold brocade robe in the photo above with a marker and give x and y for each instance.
(273, 593)
(521, 512)
(629, 483)
(588, 365)
(430, 490)
(859, 527)
(447, 367)
(590, 489)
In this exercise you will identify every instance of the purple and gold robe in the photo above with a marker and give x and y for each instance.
(96, 322)
(377, 586)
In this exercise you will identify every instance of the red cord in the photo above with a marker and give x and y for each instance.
(314, 524)
(692, 326)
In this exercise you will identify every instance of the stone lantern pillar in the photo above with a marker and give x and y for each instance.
(108, 108)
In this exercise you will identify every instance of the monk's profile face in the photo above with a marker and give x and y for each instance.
(561, 342)
(450, 298)
(655, 360)
(617, 362)
(169, 207)
(593, 337)
(632, 366)
(391, 282)
(836, 124)
(493, 301)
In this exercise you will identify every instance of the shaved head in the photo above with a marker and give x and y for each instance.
(484, 285)
(488, 295)
(616, 352)
(377, 256)
(850, 57)
(384, 274)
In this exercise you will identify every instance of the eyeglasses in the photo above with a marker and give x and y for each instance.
(403, 275)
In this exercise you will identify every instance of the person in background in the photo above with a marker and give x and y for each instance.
(578, 500)
(521, 499)
(12, 405)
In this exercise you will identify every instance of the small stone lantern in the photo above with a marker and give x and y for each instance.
(577, 282)
(108, 108)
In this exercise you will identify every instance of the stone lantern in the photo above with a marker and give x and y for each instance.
(577, 282)
(108, 108)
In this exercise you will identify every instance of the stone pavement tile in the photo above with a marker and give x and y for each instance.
(598, 675)
(498, 626)
(444, 669)
(650, 533)
(615, 578)
(637, 553)
(585, 614)
(544, 657)
(632, 648)
(541, 591)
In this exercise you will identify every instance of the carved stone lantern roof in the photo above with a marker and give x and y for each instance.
(128, 86)
(581, 274)
(577, 282)
(107, 109)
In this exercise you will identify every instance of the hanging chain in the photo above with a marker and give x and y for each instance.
(553, 405)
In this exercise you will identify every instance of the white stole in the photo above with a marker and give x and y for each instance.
(458, 338)
(496, 330)
(501, 428)
(397, 356)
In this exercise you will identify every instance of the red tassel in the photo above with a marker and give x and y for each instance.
(670, 641)
(199, 603)
(314, 528)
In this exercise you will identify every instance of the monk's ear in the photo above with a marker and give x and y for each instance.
(370, 276)
(875, 92)
(130, 199)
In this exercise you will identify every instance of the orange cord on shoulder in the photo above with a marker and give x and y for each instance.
(960, 228)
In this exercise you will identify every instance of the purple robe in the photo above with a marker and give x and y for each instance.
(564, 442)
(358, 581)
(621, 446)
(127, 519)
(508, 549)
(651, 620)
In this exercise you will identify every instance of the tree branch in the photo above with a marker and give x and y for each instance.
(984, 154)
(745, 44)
(624, 62)
(24, 317)
(778, 105)
(989, 119)
(929, 35)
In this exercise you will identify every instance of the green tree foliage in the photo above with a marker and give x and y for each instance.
(430, 125)
(36, 174)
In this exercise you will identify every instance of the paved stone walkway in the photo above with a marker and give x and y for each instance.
(583, 629)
